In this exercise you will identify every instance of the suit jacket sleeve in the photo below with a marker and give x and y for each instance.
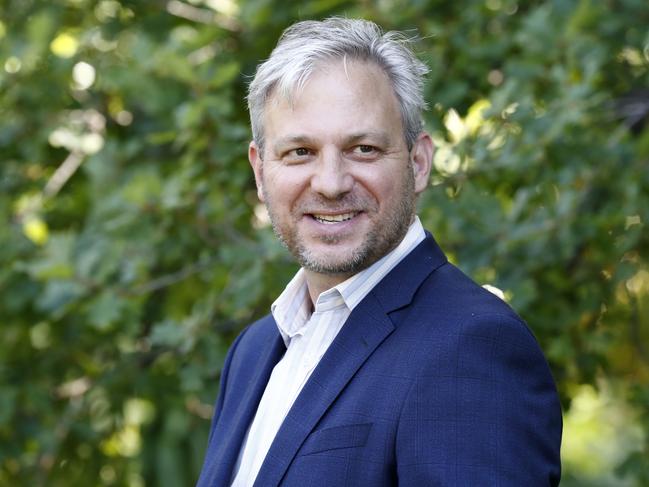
(223, 384)
(490, 418)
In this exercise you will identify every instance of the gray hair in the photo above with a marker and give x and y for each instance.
(305, 44)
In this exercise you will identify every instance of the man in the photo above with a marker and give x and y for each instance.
(381, 363)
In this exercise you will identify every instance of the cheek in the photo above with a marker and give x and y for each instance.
(382, 189)
(283, 188)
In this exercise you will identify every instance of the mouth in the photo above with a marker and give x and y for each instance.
(333, 219)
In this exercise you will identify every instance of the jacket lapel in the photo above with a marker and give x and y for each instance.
(365, 329)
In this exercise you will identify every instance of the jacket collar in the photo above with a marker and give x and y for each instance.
(398, 288)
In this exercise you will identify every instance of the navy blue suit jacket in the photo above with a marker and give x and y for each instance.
(432, 381)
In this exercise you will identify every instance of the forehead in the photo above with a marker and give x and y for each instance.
(342, 94)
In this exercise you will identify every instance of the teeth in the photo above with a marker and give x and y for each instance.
(329, 219)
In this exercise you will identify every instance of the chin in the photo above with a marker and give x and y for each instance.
(349, 263)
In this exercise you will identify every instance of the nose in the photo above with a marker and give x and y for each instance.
(332, 178)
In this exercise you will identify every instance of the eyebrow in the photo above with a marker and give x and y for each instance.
(292, 140)
(378, 137)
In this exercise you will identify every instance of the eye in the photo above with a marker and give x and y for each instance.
(299, 152)
(365, 152)
(297, 155)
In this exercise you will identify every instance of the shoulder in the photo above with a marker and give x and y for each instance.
(248, 355)
(459, 330)
(461, 295)
(485, 383)
(448, 303)
(254, 337)
(262, 329)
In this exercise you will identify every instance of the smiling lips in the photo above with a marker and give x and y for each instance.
(332, 219)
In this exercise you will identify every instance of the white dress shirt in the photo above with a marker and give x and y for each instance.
(307, 337)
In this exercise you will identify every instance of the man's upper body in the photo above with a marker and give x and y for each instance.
(381, 364)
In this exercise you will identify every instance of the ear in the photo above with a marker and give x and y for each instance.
(422, 160)
(254, 156)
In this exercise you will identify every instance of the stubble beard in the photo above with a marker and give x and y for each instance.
(383, 236)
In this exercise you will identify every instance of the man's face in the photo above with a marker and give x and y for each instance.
(337, 178)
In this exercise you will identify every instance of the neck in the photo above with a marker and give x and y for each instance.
(318, 283)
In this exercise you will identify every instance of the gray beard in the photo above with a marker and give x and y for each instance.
(380, 240)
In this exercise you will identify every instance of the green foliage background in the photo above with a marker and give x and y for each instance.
(131, 252)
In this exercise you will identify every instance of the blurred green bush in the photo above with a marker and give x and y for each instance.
(133, 249)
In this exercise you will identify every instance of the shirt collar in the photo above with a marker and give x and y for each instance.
(292, 309)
